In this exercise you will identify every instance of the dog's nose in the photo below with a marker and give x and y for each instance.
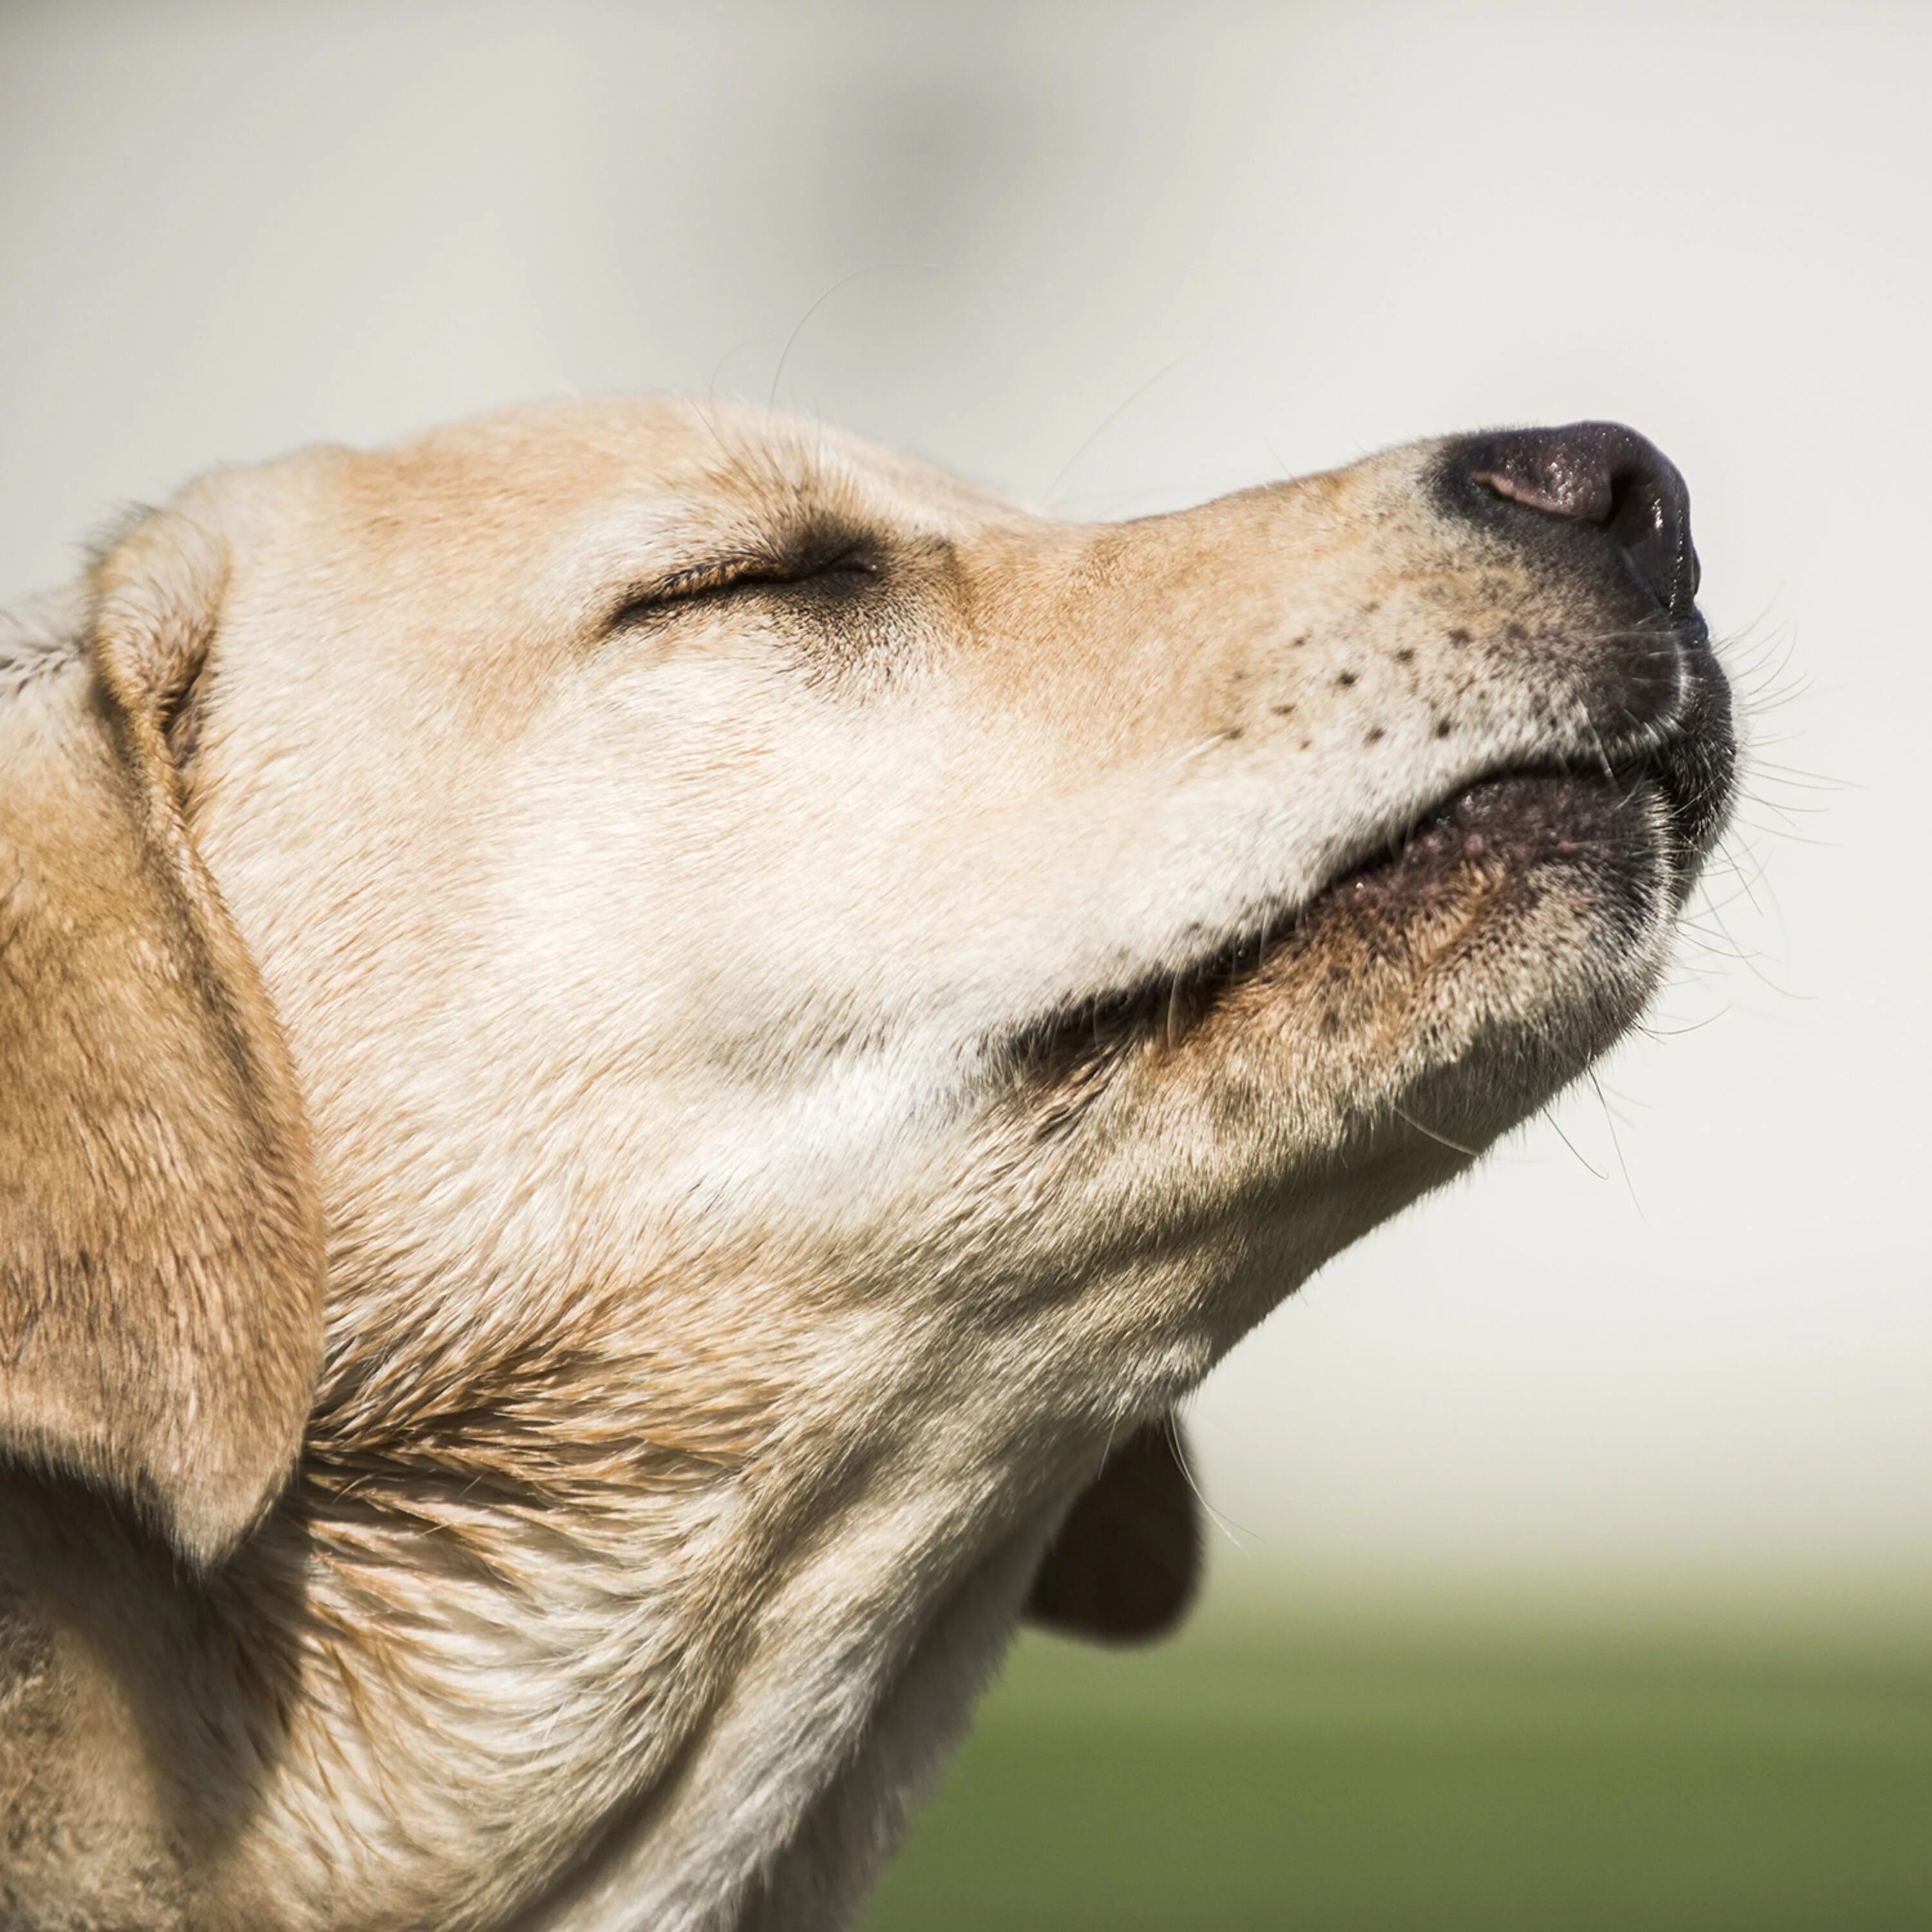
(1603, 474)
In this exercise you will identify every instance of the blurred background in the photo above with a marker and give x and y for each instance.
(1571, 1567)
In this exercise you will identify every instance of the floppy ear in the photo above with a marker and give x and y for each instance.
(159, 1242)
(1127, 1562)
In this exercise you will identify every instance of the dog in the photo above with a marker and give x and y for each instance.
(643, 1047)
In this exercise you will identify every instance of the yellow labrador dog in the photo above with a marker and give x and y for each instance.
(641, 1048)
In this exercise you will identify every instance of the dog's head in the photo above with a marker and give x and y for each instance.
(851, 973)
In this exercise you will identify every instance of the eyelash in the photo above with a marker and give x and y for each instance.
(703, 585)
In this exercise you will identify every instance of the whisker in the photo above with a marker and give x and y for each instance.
(1616, 1143)
(1548, 1112)
(1107, 422)
(1443, 1140)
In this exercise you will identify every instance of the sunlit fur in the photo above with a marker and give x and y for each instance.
(736, 1259)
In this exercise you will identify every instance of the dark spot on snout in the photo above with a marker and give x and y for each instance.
(1405, 655)
(1459, 635)
(1345, 679)
(1375, 737)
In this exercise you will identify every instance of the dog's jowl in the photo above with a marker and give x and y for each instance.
(631, 1035)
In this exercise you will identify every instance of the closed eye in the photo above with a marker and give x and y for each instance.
(819, 571)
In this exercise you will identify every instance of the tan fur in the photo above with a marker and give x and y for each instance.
(151, 1137)
(738, 1255)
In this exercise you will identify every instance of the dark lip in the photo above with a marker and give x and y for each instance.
(1690, 767)
(1696, 763)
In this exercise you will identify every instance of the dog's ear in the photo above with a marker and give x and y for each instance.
(159, 1244)
(1127, 1562)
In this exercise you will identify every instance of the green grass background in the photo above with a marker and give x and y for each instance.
(1380, 1774)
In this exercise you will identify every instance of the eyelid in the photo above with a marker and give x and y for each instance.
(681, 587)
(720, 576)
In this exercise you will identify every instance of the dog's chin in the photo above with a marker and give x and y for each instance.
(1459, 979)
(1444, 989)
(1461, 896)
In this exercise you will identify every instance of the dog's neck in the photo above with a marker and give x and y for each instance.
(575, 1618)
(644, 1686)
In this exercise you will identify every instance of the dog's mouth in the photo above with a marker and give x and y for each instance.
(1628, 836)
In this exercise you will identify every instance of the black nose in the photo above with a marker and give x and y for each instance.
(1604, 474)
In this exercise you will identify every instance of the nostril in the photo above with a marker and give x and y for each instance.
(1603, 474)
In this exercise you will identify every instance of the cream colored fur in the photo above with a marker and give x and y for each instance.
(734, 1262)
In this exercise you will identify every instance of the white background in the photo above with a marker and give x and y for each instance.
(1115, 258)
